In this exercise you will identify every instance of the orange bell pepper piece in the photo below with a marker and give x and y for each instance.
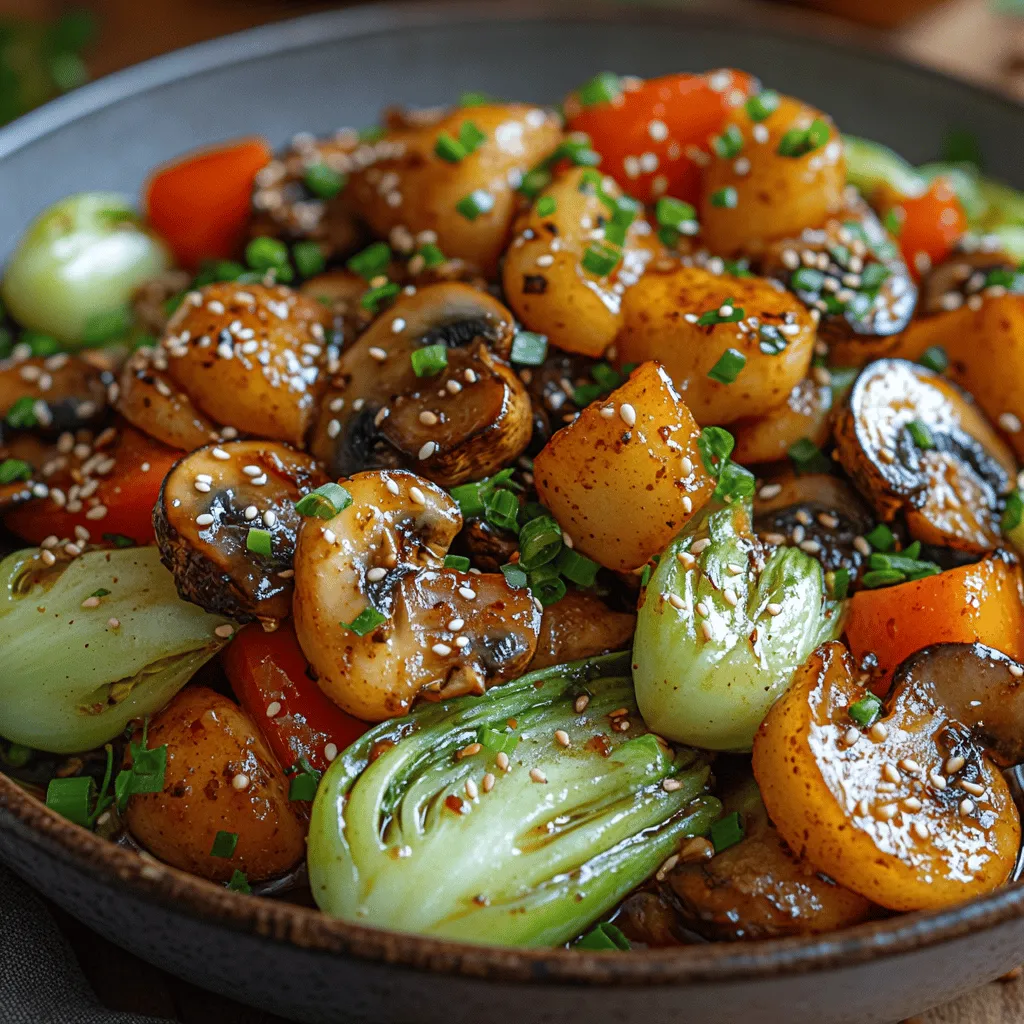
(927, 226)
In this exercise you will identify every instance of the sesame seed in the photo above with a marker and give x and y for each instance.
(467, 593)
(501, 760)
(461, 642)
(973, 788)
(537, 775)
(730, 598)
(812, 547)
(330, 751)
(91, 602)
(376, 574)
(891, 773)
(687, 504)
(252, 471)
(417, 496)
(676, 601)
(862, 546)
(47, 557)
(427, 450)
(251, 512)
(562, 737)
(706, 630)
(910, 766)
(202, 487)
(114, 623)
(204, 520)
(851, 736)
(441, 650)
(627, 414)
(330, 536)
(273, 708)
(470, 377)
(487, 783)
(702, 609)
(887, 811)
(937, 780)
(769, 491)
(240, 781)
(920, 829)
(377, 353)
(828, 521)
(1016, 671)
(471, 791)
(954, 764)
(686, 559)
(97, 512)
(700, 545)
(581, 703)
(1010, 423)
(966, 806)
(773, 609)
(469, 750)
(607, 412)
(224, 631)
(878, 732)
(671, 785)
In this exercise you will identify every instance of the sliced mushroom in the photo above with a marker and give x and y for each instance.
(149, 400)
(209, 503)
(758, 888)
(853, 273)
(581, 625)
(915, 443)
(552, 387)
(426, 631)
(52, 395)
(36, 454)
(461, 423)
(250, 357)
(964, 275)
(820, 513)
(983, 691)
(487, 546)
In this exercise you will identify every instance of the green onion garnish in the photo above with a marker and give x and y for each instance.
(529, 349)
(729, 144)
(449, 149)
(881, 538)
(547, 585)
(22, 414)
(323, 181)
(303, 786)
(771, 341)
(675, 214)
(935, 358)
(546, 205)
(266, 253)
(514, 575)
(726, 313)
(325, 502)
(808, 457)
(715, 445)
(72, 798)
(726, 832)
(258, 541)
(429, 360)
(477, 203)
(239, 883)
(1013, 514)
(371, 262)
(601, 259)
(734, 482)
(14, 469)
(799, 142)
(576, 567)
(101, 592)
(146, 774)
(471, 497)
(372, 298)
(432, 256)
(728, 367)
(365, 622)
(309, 258)
(922, 436)
(866, 710)
(498, 742)
(471, 137)
(224, 844)
(604, 936)
(602, 88)
(457, 562)
(840, 583)
(501, 508)
(725, 198)
(540, 541)
(807, 279)
(762, 105)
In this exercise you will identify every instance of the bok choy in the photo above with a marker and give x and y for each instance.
(91, 644)
(514, 818)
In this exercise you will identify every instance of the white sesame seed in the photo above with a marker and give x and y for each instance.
(671, 785)
(91, 602)
(699, 545)
(502, 761)
(467, 593)
(891, 773)
(607, 412)
(273, 708)
(377, 353)
(417, 496)
(937, 780)
(471, 791)
(954, 764)
(202, 487)
(392, 487)
(1016, 671)
(706, 631)
(676, 601)
(973, 788)
(251, 512)
(887, 811)
(219, 453)
(204, 520)
(487, 783)
(428, 418)
(462, 642)
(376, 574)
(878, 732)
(252, 471)
(455, 625)
(773, 609)
(330, 536)
(769, 491)
(686, 559)
(562, 737)
(537, 775)
(225, 631)
(114, 623)
(966, 806)
(441, 650)
(330, 751)
(241, 781)
(910, 766)
(427, 450)
(1010, 423)
(730, 598)
(96, 512)
(627, 414)
(702, 609)
(687, 504)
(47, 557)
(851, 736)
(920, 829)
(861, 544)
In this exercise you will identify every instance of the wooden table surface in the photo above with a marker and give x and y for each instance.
(963, 37)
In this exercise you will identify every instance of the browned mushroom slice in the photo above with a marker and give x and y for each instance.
(487, 546)
(149, 400)
(553, 388)
(460, 421)
(211, 503)
(758, 889)
(852, 272)
(819, 513)
(36, 454)
(250, 357)
(581, 625)
(339, 292)
(915, 443)
(293, 200)
(380, 618)
(983, 691)
(52, 395)
(968, 277)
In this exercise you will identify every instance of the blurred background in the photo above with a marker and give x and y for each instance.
(51, 46)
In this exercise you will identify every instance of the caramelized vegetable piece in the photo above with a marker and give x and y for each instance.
(250, 357)
(382, 621)
(623, 457)
(758, 888)
(788, 174)
(579, 626)
(910, 812)
(981, 602)
(914, 443)
(545, 280)
(468, 202)
(754, 346)
(53, 395)
(220, 777)
(149, 400)
(211, 503)
(804, 414)
(464, 418)
(930, 224)
(851, 271)
(818, 508)
(340, 293)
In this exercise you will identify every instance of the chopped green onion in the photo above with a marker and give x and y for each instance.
(729, 144)
(725, 198)
(371, 262)
(529, 349)
(119, 540)
(922, 436)
(72, 798)
(546, 206)
(101, 328)
(645, 575)
(14, 469)
(266, 253)
(906, 563)
(771, 341)
(577, 568)
(146, 774)
(808, 457)
(240, 883)
(547, 585)
(43, 345)
(726, 313)
(304, 786)
(893, 220)
(881, 538)
(1013, 514)
(471, 497)
(514, 575)
(734, 482)
(325, 502)
(935, 358)
(498, 742)
(309, 258)
(534, 182)
(540, 541)
(258, 541)
(471, 137)
(675, 214)
(728, 367)
(429, 360)
(224, 844)
(601, 259)
(450, 149)
(458, 562)
(727, 831)
(17, 755)
(602, 937)
(840, 584)
(501, 508)
(807, 279)
(762, 105)
(432, 256)
(22, 414)
(873, 276)
(882, 578)
(365, 622)
(623, 215)
(475, 99)
(799, 142)
(715, 445)
(323, 181)
(866, 710)
(372, 299)
(602, 88)
(477, 203)
(101, 592)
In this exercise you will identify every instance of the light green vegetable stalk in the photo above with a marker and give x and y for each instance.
(414, 841)
(1013, 520)
(72, 680)
(77, 265)
(707, 669)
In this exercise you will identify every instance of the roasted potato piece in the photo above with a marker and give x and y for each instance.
(460, 421)
(769, 329)
(220, 777)
(758, 889)
(405, 183)
(409, 627)
(853, 273)
(767, 438)
(910, 812)
(208, 505)
(771, 194)
(545, 281)
(626, 476)
(147, 398)
(580, 626)
(250, 357)
(914, 443)
(52, 395)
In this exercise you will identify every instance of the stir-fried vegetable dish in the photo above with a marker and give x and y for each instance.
(595, 526)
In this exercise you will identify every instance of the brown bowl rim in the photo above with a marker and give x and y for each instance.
(309, 929)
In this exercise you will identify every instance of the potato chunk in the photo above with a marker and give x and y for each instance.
(624, 477)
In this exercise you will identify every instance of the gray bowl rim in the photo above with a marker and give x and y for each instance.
(178, 892)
